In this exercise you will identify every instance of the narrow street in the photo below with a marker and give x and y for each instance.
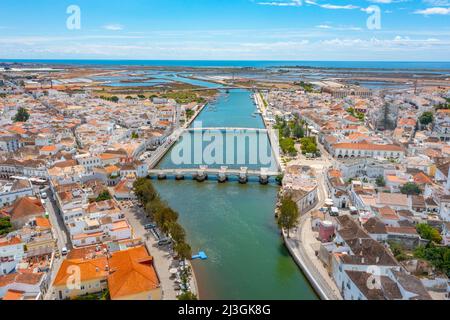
(62, 240)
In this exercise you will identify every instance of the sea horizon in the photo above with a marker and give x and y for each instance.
(338, 64)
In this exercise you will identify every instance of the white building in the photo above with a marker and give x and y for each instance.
(11, 191)
(88, 161)
(11, 253)
(10, 143)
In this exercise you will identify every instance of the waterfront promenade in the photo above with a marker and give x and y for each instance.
(302, 245)
(162, 256)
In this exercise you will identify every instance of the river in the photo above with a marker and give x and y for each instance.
(234, 224)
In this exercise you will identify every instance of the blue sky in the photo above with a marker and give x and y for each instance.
(226, 30)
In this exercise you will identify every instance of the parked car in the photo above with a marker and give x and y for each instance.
(64, 251)
(164, 242)
(149, 226)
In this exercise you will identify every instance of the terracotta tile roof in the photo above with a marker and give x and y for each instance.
(89, 270)
(401, 230)
(422, 178)
(20, 277)
(48, 148)
(132, 272)
(26, 206)
(367, 146)
(335, 173)
(13, 295)
(8, 242)
(43, 223)
(393, 199)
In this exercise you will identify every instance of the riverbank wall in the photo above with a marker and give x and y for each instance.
(171, 140)
(300, 261)
(271, 134)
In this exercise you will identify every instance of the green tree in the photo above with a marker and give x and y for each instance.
(298, 131)
(187, 295)
(309, 145)
(5, 226)
(134, 135)
(410, 188)
(398, 251)
(104, 195)
(189, 113)
(177, 232)
(183, 250)
(279, 178)
(286, 132)
(380, 181)
(164, 218)
(22, 115)
(288, 215)
(438, 256)
(114, 99)
(426, 118)
(428, 232)
(287, 145)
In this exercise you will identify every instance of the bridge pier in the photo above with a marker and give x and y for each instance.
(263, 177)
(162, 176)
(263, 180)
(243, 178)
(200, 177)
(201, 174)
(179, 176)
(222, 176)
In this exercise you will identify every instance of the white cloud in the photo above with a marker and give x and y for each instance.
(433, 11)
(332, 6)
(293, 3)
(338, 28)
(324, 26)
(437, 3)
(113, 27)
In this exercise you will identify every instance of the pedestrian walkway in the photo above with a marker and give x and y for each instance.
(162, 256)
(303, 245)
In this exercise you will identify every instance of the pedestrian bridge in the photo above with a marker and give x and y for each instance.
(201, 173)
(225, 129)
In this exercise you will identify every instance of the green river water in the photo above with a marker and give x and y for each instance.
(234, 224)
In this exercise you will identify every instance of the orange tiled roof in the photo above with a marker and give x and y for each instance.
(335, 173)
(43, 222)
(132, 272)
(13, 295)
(368, 146)
(48, 148)
(9, 242)
(89, 270)
(422, 178)
(26, 206)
